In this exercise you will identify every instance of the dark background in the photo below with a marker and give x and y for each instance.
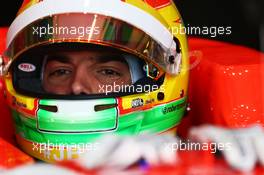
(244, 16)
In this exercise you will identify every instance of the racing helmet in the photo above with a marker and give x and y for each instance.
(54, 127)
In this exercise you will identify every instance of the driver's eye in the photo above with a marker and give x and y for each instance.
(109, 73)
(60, 72)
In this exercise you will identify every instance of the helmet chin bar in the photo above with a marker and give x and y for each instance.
(93, 116)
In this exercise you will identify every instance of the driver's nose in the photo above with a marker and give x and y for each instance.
(81, 83)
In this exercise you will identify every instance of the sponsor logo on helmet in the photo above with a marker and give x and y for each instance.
(18, 103)
(173, 108)
(149, 101)
(26, 67)
(137, 103)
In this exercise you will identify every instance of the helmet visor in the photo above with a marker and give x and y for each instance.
(95, 29)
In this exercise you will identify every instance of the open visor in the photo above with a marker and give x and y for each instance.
(100, 30)
(63, 70)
